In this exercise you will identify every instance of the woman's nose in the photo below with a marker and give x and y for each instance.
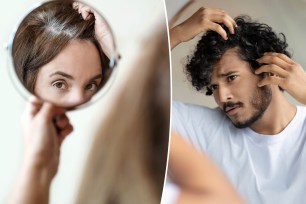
(76, 98)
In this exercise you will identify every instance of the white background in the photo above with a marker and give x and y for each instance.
(131, 21)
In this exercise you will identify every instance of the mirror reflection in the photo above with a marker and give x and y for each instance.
(62, 52)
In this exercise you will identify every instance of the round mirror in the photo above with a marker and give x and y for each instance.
(64, 53)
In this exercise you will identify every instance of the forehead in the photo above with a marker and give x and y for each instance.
(77, 58)
(230, 62)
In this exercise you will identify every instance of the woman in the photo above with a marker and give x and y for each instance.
(127, 159)
(57, 52)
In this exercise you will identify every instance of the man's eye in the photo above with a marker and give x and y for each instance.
(60, 85)
(213, 87)
(91, 87)
(231, 78)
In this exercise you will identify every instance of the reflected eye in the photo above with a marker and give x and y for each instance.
(60, 85)
(91, 87)
(231, 78)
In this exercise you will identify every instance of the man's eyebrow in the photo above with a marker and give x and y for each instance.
(61, 74)
(222, 75)
(227, 74)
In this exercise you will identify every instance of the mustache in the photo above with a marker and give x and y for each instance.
(231, 104)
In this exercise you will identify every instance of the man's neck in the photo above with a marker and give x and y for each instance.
(277, 116)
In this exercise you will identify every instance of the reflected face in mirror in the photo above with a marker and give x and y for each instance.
(60, 55)
(64, 79)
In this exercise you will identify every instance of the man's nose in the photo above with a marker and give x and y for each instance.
(224, 94)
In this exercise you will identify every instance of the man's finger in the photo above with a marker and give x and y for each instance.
(226, 20)
(272, 80)
(274, 59)
(217, 28)
(272, 68)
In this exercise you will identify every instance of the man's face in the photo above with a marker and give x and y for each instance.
(235, 90)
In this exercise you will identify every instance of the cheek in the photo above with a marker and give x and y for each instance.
(216, 97)
(39, 83)
(245, 88)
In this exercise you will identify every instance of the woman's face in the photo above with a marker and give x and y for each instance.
(72, 77)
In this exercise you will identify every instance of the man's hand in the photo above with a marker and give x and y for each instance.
(203, 20)
(284, 72)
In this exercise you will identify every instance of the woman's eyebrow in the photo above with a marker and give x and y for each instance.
(61, 74)
(96, 77)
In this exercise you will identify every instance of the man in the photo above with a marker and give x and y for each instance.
(255, 135)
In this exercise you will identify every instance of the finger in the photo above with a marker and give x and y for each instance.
(274, 59)
(46, 112)
(272, 80)
(217, 28)
(61, 121)
(64, 133)
(280, 55)
(80, 7)
(32, 107)
(86, 11)
(226, 20)
(272, 68)
(75, 5)
(221, 12)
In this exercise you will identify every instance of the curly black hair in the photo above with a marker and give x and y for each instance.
(253, 39)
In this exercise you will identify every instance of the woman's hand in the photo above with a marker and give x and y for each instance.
(102, 30)
(200, 22)
(45, 127)
(284, 72)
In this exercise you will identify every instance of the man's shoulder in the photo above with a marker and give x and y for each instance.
(196, 114)
(301, 110)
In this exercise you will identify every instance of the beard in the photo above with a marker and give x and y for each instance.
(259, 103)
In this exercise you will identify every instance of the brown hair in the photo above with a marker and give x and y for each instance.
(44, 33)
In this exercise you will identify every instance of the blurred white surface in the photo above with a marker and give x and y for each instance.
(131, 21)
(286, 16)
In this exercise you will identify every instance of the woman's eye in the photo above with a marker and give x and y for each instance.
(92, 87)
(231, 78)
(59, 85)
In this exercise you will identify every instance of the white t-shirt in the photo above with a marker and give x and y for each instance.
(263, 168)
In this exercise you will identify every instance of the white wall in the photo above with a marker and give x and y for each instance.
(287, 16)
(131, 21)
